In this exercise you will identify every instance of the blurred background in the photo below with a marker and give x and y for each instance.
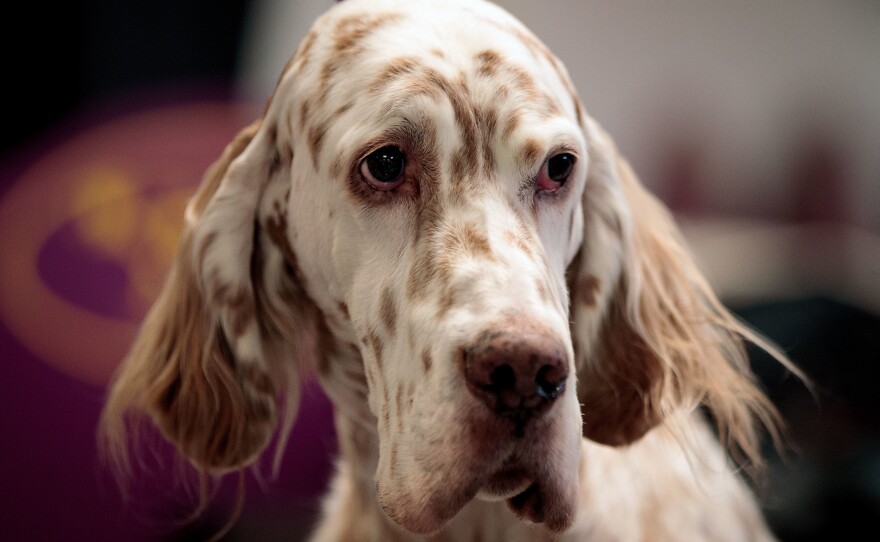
(757, 122)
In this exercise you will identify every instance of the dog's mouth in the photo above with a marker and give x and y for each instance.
(535, 490)
(517, 486)
(508, 482)
(523, 493)
(535, 471)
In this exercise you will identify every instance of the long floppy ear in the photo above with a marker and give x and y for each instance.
(222, 344)
(651, 338)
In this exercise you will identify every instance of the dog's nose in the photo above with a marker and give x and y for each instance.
(516, 375)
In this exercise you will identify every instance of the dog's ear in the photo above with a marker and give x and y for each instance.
(219, 351)
(651, 338)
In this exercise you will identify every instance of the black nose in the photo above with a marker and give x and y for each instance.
(516, 375)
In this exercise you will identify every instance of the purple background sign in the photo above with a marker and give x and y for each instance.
(89, 226)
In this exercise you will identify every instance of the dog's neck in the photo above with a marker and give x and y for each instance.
(358, 447)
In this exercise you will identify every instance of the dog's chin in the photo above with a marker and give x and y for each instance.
(505, 484)
(536, 491)
(423, 510)
(536, 499)
(549, 501)
(535, 472)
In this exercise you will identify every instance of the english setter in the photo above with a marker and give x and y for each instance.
(514, 337)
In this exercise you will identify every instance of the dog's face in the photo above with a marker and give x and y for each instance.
(427, 217)
(435, 194)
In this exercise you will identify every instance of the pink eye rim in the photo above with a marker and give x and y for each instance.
(555, 172)
(384, 169)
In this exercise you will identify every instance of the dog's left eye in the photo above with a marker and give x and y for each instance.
(383, 169)
(555, 172)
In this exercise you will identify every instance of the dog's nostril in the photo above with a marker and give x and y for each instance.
(502, 378)
(550, 383)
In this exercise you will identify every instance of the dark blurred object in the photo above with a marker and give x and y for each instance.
(831, 480)
(85, 51)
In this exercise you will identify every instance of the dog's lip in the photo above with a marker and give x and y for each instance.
(490, 463)
(528, 504)
(506, 483)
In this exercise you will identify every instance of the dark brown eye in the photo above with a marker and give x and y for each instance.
(383, 169)
(555, 172)
(559, 166)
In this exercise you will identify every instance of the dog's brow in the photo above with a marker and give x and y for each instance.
(393, 71)
(407, 76)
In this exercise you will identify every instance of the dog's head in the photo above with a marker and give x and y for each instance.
(428, 218)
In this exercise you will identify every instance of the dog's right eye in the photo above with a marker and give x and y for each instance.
(383, 169)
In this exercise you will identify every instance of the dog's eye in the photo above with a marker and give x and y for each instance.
(383, 169)
(555, 172)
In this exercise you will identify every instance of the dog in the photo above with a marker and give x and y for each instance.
(516, 341)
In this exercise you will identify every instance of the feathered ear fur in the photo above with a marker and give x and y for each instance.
(651, 338)
(231, 327)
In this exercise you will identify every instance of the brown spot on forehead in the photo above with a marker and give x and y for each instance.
(511, 76)
(394, 70)
(488, 62)
(348, 36)
(351, 30)
(530, 97)
(464, 162)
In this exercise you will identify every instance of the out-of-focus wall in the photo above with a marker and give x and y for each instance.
(747, 86)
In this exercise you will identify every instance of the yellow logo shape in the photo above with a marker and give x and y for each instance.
(122, 186)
